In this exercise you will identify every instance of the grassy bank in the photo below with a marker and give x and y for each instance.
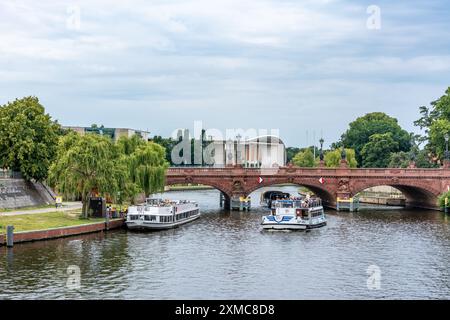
(41, 221)
(45, 206)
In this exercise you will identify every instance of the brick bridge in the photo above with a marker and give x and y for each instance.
(421, 187)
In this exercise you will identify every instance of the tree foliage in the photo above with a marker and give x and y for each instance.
(290, 153)
(402, 159)
(128, 145)
(332, 158)
(435, 120)
(376, 152)
(399, 159)
(304, 158)
(85, 165)
(93, 164)
(436, 139)
(168, 144)
(363, 128)
(441, 199)
(147, 167)
(28, 138)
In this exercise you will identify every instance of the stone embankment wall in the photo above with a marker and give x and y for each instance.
(18, 193)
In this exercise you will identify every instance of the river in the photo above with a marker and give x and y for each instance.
(226, 255)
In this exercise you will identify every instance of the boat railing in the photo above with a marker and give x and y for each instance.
(305, 203)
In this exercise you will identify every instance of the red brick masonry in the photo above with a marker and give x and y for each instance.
(421, 187)
(25, 236)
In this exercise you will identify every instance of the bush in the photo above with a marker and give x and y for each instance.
(441, 199)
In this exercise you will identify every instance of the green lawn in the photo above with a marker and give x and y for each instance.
(45, 206)
(41, 221)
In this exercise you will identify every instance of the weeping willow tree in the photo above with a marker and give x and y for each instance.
(85, 165)
(126, 146)
(147, 167)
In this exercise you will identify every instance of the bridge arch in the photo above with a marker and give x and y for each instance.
(213, 184)
(321, 191)
(417, 194)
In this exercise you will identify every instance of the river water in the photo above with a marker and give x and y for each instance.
(382, 254)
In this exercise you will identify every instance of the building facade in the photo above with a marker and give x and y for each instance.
(258, 152)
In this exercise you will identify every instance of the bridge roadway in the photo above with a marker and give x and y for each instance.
(421, 187)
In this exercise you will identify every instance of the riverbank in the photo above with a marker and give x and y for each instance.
(383, 201)
(51, 225)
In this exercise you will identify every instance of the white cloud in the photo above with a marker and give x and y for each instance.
(197, 58)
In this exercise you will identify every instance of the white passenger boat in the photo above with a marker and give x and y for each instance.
(295, 214)
(158, 214)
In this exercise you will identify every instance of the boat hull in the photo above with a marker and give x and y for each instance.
(146, 225)
(292, 226)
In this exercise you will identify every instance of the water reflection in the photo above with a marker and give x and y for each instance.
(227, 255)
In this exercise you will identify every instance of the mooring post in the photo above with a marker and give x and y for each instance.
(107, 220)
(10, 236)
(337, 204)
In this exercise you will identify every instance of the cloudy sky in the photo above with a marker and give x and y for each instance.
(303, 67)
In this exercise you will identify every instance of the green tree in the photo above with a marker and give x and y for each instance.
(85, 165)
(436, 139)
(376, 152)
(403, 159)
(168, 144)
(435, 120)
(290, 153)
(441, 199)
(304, 158)
(333, 158)
(423, 160)
(28, 138)
(360, 131)
(128, 145)
(147, 167)
(399, 159)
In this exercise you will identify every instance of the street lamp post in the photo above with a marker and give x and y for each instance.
(321, 162)
(321, 149)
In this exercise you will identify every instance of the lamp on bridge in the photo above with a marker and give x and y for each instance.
(446, 155)
(321, 163)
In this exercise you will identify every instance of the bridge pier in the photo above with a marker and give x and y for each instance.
(225, 201)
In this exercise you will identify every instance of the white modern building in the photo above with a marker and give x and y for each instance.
(259, 152)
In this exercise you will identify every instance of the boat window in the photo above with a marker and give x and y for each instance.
(287, 204)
